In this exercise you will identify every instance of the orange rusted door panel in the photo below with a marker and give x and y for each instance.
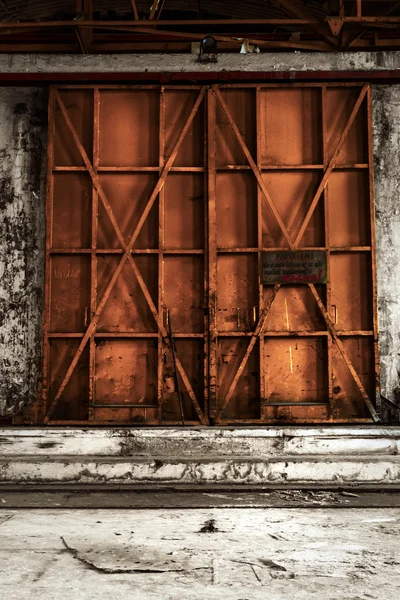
(293, 172)
(126, 245)
(162, 204)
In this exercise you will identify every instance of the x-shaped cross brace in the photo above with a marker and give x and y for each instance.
(127, 256)
(293, 246)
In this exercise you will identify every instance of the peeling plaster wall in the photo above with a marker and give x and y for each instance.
(23, 124)
(386, 131)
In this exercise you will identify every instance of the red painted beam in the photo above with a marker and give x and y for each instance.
(231, 76)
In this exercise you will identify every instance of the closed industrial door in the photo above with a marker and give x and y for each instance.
(210, 255)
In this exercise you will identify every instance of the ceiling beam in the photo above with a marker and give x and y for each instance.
(365, 21)
(135, 10)
(153, 9)
(84, 11)
(316, 45)
(299, 11)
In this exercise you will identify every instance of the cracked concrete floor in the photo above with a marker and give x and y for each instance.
(196, 554)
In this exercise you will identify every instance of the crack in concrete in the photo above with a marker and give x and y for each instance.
(5, 519)
(115, 570)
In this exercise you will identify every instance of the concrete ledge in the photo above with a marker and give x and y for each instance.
(181, 63)
(201, 456)
(192, 442)
(233, 470)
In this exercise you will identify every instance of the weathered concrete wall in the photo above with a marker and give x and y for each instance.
(188, 63)
(23, 124)
(386, 128)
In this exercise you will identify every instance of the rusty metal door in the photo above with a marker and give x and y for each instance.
(163, 203)
(291, 169)
(125, 257)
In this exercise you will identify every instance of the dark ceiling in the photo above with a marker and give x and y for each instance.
(13, 10)
(110, 26)
(27, 10)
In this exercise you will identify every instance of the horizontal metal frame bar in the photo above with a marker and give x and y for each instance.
(96, 405)
(266, 404)
(294, 334)
(343, 167)
(339, 77)
(118, 86)
(143, 335)
(133, 169)
(300, 421)
(343, 249)
(119, 251)
(117, 424)
(128, 334)
(222, 86)
(225, 86)
(184, 251)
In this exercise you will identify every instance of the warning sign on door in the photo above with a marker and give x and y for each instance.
(300, 266)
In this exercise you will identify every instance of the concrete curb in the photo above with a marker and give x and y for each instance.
(201, 456)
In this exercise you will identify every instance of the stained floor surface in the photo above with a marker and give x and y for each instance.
(229, 553)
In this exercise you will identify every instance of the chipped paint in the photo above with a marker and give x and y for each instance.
(201, 456)
(22, 183)
(386, 138)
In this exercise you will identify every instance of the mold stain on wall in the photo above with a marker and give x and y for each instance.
(386, 138)
(23, 133)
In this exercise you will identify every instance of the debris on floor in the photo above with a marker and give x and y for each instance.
(304, 553)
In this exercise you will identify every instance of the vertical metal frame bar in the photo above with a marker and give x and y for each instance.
(373, 249)
(212, 252)
(161, 245)
(259, 125)
(328, 286)
(49, 242)
(93, 263)
(206, 346)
